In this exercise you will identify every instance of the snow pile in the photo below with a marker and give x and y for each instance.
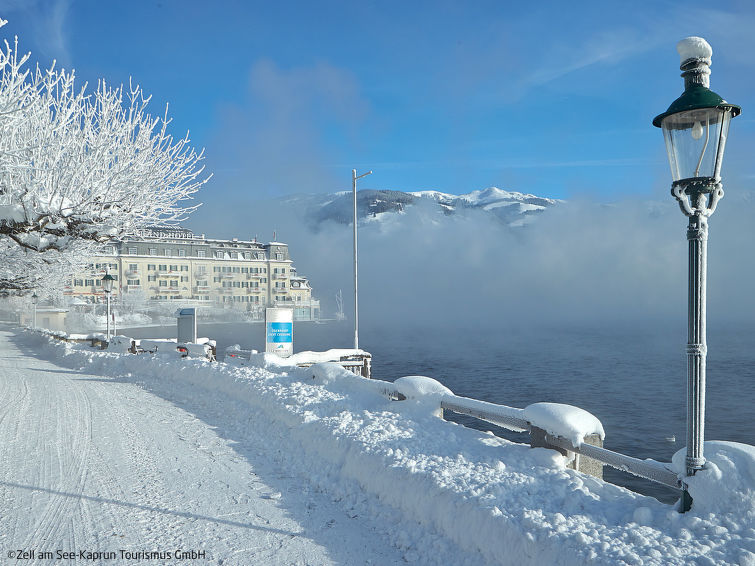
(727, 483)
(437, 489)
(566, 421)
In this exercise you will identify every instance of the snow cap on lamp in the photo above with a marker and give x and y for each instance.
(695, 59)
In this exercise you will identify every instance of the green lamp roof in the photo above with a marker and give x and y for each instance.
(694, 98)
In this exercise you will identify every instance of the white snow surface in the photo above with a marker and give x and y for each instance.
(566, 421)
(694, 47)
(313, 466)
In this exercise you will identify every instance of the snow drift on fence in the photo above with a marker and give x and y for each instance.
(433, 486)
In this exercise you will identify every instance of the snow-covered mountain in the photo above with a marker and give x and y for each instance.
(511, 208)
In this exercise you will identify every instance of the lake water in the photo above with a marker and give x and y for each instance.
(633, 379)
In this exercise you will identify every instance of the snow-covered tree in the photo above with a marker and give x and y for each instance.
(23, 270)
(80, 166)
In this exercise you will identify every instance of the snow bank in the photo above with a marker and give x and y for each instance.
(442, 492)
(566, 421)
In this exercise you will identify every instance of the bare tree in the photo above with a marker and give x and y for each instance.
(84, 166)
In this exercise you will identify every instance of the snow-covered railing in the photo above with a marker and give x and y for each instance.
(570, 430)
(649, 469)
(357, 362)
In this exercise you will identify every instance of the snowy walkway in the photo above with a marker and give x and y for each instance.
(95, 464)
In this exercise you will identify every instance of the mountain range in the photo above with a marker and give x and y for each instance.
(510, 207)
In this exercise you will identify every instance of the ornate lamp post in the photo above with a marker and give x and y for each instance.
(695, 128)
(107, 286)
(34, 300)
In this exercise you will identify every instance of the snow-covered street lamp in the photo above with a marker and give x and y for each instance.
(107, 286)
(695, 128)
(34, 301)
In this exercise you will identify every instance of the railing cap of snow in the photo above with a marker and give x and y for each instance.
(419, 387)
(566, 421)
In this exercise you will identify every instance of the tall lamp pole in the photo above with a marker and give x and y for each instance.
(695, 128)
(107, 286)
(34, 300)
(354, 178)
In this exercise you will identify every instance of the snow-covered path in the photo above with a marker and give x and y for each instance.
(97, 464)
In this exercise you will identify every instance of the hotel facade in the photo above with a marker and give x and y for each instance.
(174, 265)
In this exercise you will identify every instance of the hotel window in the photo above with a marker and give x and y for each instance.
(89, 282)
(167, 252)
(219, 255)
(174, 268)
(163, 283)
(132, 251)
(132, 282)
(133, 267)
(151, 267)
(201, 253)
(174, 283)
(151, 277)
(184, 268)
(181, 253)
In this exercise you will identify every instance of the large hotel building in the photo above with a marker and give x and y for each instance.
(175, 265)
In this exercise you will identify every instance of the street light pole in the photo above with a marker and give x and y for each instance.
(107, 286)
(695, 128)
(34, 300)
(354, 178)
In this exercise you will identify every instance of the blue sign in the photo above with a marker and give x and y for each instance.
(280, 332)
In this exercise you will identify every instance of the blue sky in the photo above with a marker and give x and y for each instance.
(551, 98)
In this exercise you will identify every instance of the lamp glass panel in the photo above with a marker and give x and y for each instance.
(695, 141)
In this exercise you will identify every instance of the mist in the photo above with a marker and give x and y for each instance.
(580, 262)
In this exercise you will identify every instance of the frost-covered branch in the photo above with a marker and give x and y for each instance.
(85, 166)
(23, 271)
